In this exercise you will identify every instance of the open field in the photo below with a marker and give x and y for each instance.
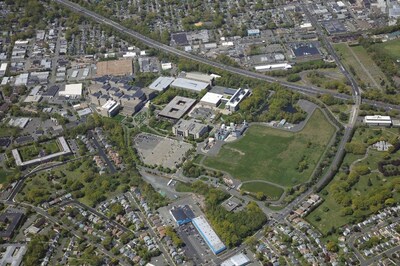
(271, 192)
(367, 61)
(391, 48)
(350, 61)
(274, 155)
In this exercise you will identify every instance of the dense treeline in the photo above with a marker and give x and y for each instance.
(36, 250)
(264, 106)
(232, 227)
(317, 64)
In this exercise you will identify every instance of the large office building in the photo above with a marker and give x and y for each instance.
(233, 103)
(189, 84)
(64, 150)
(161, 83)
(211, 99)
(177, 108)
(209, 235)
(378, 120)
(110, 108)
(187, 128)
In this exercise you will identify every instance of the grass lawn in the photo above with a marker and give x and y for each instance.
(366, 60)
(349, 60)
(272, 192)
(391, 48)
(32, 151)
(271, 154)
(118, 118)
(198, 158)
(8, 131)
(3, 176)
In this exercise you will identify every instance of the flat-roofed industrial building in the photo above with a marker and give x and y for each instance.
(211, 99)
(189, 84)
(378, 120)
(182, 214)
(161, 83)
(209, 235)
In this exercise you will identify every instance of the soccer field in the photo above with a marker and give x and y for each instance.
(274, 155)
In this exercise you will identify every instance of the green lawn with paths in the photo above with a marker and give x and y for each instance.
(321, 217)
(270, 191)
(271, 154)
(391, 48)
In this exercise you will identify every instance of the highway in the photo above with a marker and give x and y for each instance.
(171, 50)
(329, 48)
(310, 90)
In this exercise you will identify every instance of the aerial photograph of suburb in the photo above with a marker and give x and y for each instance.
(199, 132)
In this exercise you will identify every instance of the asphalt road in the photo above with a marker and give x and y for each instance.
(310, 90)
(171, 50)
(102, 153)
(20, 182)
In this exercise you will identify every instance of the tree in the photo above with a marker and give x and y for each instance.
(332, 246)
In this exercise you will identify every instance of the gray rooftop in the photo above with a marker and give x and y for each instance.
(178, 107)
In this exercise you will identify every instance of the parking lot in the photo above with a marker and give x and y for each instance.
(195, 247)
(156, 150)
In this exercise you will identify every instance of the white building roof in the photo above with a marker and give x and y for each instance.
(72, 90)
(239, 95)
(211, 97)
(381, 119)
(84, 112)
(3, 67)
(22, 79)
(20, 122)
(237, 260)
(166, 66)
(209, 235)
(65, 149)
(161, 83)
(274, 66)
(109, 104)
(199, 77)
(189, 84)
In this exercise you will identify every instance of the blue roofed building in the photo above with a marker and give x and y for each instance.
(182, 214)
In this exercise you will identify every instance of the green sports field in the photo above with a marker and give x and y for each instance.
(273, 155)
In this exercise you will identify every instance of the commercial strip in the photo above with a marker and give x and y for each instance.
(65, 150)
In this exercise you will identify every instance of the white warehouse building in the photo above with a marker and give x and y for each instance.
(378, 120)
